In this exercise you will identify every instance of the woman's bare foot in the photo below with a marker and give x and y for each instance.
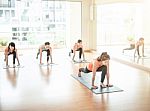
(41, 63)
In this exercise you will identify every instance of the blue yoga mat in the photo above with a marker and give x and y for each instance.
(86, 81)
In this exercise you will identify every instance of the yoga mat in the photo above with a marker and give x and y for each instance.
(85, 80)
(50, 64)
(145, 57)
(12, 67)
(77, 61)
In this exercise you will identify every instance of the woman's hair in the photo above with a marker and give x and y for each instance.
(79, 41)
(140, 39)
(104, 56)
(47, 43)
(12, 44)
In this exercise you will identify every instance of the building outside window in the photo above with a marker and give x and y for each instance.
(32, 22)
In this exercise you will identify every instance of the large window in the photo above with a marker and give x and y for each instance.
(32, 22)
(118, 22)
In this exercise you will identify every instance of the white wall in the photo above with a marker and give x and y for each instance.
(74, 23)
(146, 21)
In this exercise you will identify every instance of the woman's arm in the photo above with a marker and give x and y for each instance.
(17, 56)
(6, 56)
(143, 50)
(107, 74)
(40, 55)
(51, 54)
(94, 74)
(5, 53)
(107, 64)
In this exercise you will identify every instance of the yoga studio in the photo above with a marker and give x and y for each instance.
(74, 55)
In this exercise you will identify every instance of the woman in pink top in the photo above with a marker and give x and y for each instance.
(77, 47)
(100, 64)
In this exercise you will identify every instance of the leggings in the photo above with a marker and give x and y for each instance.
(103, 68)
(80, 52)
(48, 53)
(137, 49)
(14, 56)
(132, 46)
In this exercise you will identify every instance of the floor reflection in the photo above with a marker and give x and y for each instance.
(45, 72)
(12, 75)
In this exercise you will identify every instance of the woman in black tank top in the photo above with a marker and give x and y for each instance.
(11, 49)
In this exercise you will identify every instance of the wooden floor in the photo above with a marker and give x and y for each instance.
(35, 88)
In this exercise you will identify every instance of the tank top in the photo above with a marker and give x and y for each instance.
(97, 63)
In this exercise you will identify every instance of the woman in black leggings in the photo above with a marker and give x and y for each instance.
(46, 47)
(11, 49)
(78, 47)
(100, 64)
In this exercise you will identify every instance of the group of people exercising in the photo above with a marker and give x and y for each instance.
(101, 63)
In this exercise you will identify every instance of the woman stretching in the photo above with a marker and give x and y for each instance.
(77, 47)
(11, 50)
(46, 47)
(100, 64)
